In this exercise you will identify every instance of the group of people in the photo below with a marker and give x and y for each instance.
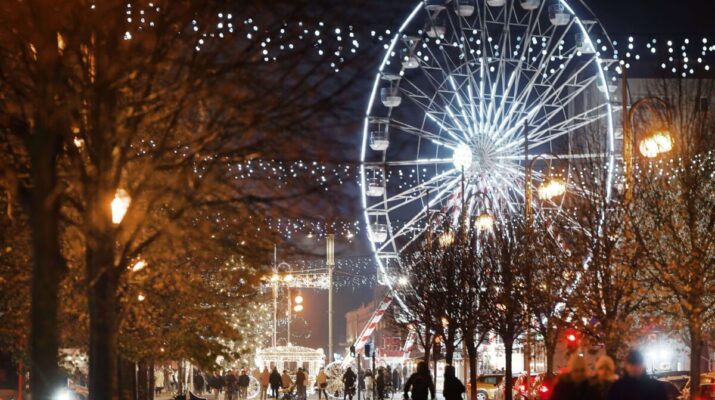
(634, 384)
(380, 384)
(234, 384)
(576, 384)
(277, 382)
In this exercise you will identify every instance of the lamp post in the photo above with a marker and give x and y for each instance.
(330, 264)
(656, 143)
(548, 189)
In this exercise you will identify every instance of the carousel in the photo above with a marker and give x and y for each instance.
(290, 358)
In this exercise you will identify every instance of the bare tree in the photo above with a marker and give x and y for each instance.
(673, 216)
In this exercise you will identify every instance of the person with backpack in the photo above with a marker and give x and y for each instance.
(420, 384)
(453, 387)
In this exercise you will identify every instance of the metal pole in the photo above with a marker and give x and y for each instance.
(330, 263)
(627, 137)
(529, 220)
(275, 296)
(359, 366)
(290, 311)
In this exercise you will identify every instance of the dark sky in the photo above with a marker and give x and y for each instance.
(656, 17)
(669, 19)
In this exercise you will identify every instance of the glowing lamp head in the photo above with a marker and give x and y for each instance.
(484, 222)
(656, 144)
(288, 278)
(446, 239)
(298, 308)
(275, 278)
(139, 265)
(63, 394)
(298, 299)
(571, 338)
(120, 204)
(462, 157)
(552, 188)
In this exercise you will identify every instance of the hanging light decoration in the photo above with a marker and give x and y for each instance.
(658, 143)
(120, 204)
(552, 188)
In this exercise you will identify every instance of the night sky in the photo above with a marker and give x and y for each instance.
(643, 19)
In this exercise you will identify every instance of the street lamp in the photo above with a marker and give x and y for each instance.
(119, 205)
(655, 143)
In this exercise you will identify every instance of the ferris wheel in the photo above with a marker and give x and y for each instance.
(461, 86)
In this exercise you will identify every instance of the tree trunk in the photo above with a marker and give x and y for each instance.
(143, 381)
(152, 382)
(508, 384)
(103, 323)
(449, 351)
(696, 343)
(47, 265)
(472, 353)
(126, 379)
(550, 346)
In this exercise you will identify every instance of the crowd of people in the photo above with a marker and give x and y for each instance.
(604, 384)
(376, 387)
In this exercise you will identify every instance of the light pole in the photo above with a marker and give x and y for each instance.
(548, 189)
(654, 144)
(330, 264)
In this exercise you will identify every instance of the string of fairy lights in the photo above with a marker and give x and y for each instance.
(335, 44)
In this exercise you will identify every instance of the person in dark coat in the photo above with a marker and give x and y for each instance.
(635, 384)
(380, 383)
(453, 387)
(420, 383)
(275, 381)
(349, 379)
(396, 378)
(199, 383)
(574, 385)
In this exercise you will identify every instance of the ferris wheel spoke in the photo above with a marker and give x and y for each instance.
(407, 163)
(521, 104)
(439, 117)
(410, 224)
(544, 134)
(434, 138)
(415, 191)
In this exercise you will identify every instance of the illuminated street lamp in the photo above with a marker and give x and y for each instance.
(120, 204)
(551, 189)
(655, 144)
(484, 222)
(298, 299)
(446, 239)
(139, 265)
(298, 308)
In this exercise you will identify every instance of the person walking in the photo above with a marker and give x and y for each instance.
(275, 381)
(264, 380)
(349, 378)
(199, 383)
(300, 383)
(159, 381)
(453, 387)
(369, 384)
(286, 382)
(380, 383)
(574, 385)
(243, 381)
(420, 384)
(635, 384)
(217, 383)
(605, 376)
(322, 381)
(396, 381)
(231, 382)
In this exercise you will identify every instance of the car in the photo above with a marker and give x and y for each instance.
(489, 386)
(707, 387)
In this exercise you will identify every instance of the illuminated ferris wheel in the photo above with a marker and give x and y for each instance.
(461, 85)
